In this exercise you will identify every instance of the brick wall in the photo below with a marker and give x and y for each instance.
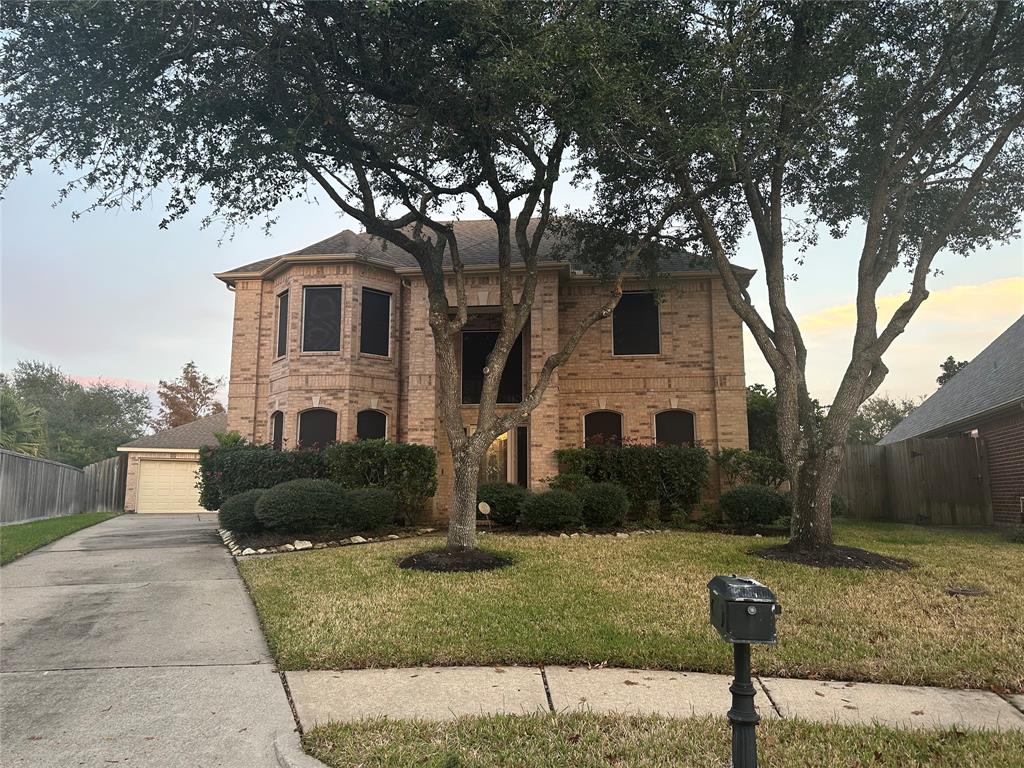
(1004, 444)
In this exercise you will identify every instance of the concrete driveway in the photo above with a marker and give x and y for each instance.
(134, 643)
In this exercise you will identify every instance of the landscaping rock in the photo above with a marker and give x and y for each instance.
(621, 535)
(574, 535)
(302, 544)
(319, 545)
(287, 548)
(248, 551)
(393, 536)
(261, 551)
(357, 540)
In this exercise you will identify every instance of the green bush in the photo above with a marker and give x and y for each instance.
(749, 467)
(370, 509)
(671, 475)
(504, 499)
(604, 505)
(569, 481)
(238, 513)
(407, 469)
(551, 511)
(748, 507)
(303, 505)
(227, 470)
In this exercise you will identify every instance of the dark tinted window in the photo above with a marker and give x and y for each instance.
(371, 425)
(277, 430)
(522, 456)
(635, 328)
(317, 428)
(375, 326)
(602, 427)
(674, 428)
(476, 346)
(282, 324)
(321, 320)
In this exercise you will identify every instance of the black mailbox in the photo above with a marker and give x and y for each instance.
(743, 610)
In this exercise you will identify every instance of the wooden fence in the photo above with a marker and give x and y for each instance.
(941, 481)
(31, 488)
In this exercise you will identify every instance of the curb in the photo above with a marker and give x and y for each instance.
(289, 754)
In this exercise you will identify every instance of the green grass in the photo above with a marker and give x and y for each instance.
(642, 602)
(20, 539)
(593, 741)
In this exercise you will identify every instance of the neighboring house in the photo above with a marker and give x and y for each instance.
(985, 400)
(332, 342)
(162, 468)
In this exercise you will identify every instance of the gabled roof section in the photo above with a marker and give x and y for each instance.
(993, 380)
(191, 436)
(478, 248)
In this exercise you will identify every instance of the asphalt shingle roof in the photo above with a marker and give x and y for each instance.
(478, 246)
(993, 379)
(193, 435)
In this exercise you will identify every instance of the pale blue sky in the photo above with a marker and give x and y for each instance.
(112, 295)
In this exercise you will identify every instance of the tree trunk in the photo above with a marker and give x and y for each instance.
(811, 526)
(462, 522)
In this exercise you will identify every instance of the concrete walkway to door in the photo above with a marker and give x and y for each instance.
(134, 643)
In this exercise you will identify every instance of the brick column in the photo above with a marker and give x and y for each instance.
(543, 424)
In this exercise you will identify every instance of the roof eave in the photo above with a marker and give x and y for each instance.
(962, 423)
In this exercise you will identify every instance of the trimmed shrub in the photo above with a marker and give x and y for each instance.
(370, 509)
(238, 514)
(569, 481)
(504, 499)
(671, 475)
(748, 507)
(407, 469)
(604, 505)
(551, 511)
(303, 505)
(227, 470)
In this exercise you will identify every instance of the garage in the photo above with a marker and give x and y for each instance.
(162, 468)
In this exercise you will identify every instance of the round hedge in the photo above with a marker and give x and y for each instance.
(504, 499)
(551, 511)
(238, 513)
(748, 507)
(370, 509)
(604, 504)
(569, 481)
(303, 505)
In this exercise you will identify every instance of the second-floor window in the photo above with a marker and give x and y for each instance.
(282, 324)
(476, 346)
(375, 323)
(636, 327)
(321, 319)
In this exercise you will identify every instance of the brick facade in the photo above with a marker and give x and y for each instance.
(699, 367)
(1004, 446)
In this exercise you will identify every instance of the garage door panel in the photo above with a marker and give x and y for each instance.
(168, 486)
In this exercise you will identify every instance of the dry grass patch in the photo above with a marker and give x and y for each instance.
(592, 741)
(642, 602)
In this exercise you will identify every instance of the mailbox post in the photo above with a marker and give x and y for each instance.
(743, 611)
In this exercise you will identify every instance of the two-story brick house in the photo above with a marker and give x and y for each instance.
(331, 342)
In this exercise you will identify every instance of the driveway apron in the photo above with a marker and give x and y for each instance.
(134, 643)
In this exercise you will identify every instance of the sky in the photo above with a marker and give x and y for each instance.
(110, 296)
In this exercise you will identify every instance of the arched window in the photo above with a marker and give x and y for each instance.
(317, 427)
(674, 427)
(277, 430)
(371, 425)
(602, 427)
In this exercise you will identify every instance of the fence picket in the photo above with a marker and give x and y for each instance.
(33, 488)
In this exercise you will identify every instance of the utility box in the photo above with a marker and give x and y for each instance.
(743, 610)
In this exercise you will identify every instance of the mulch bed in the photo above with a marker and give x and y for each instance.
(835, 557)
(458, 561)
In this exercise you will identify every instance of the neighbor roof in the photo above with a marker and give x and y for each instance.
(478, 247)
(191, 436)
(992, 381)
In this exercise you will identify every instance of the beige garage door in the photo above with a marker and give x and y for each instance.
(168, 486)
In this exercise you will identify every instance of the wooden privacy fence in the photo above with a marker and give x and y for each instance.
(32, 488)
(940, 481)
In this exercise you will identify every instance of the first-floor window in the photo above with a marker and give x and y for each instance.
(317, 427)
(371, 425)
(277, 430)
(602, 427)
(674, 427)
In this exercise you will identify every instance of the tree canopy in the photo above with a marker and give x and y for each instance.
(191, 396)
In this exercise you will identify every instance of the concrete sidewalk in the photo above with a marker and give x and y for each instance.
(442, 693)
(133, 642)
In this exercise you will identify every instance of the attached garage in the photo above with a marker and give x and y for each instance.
(163, 468)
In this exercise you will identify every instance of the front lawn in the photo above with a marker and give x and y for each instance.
(22, 538)
(642, 602)
(585, 741)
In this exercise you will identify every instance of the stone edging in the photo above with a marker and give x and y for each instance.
(289, 754)
(301, 544)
